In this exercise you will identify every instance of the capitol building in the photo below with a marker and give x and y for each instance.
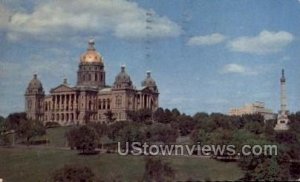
(91, 99)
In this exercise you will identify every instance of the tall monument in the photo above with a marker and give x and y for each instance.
(282, 119)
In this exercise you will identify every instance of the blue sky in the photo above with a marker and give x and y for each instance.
(204, 55)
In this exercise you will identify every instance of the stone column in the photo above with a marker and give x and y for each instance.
(65, 102)
(54, 102)
(70, 102)
(60, 102)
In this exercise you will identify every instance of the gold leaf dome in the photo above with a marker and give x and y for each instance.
(91, 55)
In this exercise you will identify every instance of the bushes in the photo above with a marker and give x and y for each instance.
(52, 124)
(84, 139)
(158, 170)
(74, 173)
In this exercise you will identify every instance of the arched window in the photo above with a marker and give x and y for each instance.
(90, 105)
(96, 77)
(104, 104)
(100, 104)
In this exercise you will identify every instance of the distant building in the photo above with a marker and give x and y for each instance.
(91, 98)
(254, 108)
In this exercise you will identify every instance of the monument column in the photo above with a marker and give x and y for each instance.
(282, 120)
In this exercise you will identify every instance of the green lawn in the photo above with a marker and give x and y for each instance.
(33, 164)
(56, 136)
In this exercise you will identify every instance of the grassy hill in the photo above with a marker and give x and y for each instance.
(37, 164)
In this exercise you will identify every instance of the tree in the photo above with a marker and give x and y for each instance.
(130, 133)
(13, 120)
(2, 124)
(175, 113)
(74, 173)
(255, 127)
(163, 116)
(4, 136)
(100, 128)
(266, 168)
(114, 129)
(110, 116)
(30, 128)
(199, 135)
(186, 124)
(161, 133)
(269, 128)
(142, 115)
(158, 170)
(200, 116)
(84, 138)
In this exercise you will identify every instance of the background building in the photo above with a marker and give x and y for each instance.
(91, 98)
(254, 108)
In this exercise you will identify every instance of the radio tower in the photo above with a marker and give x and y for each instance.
(282, 119)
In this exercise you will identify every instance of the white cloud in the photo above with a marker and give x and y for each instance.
(237, 69)
(264, 43)
(121, 18)
(211, 39)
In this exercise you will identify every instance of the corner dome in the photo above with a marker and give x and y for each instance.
(35, 85)
(149, 82)
(91, 55)
(122, 79)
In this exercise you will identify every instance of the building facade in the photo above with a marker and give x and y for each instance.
(91, 98)
(254, 108)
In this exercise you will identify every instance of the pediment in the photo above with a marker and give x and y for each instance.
(62, 88)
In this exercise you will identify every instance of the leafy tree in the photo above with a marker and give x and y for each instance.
(220, 137)
(207, 125)
(161, 133)
(158, 170)
(200, 116)
(163, 116)
(2, 119)
(110, 116)
(175, 113)
(186, 124)
(286, 138)
(130, 133)
(199, 135)
(114, 129)
(266, 168)
(84, 138)
(74, 173)
(13, 120)
(31, 128)
(295, 170)
(269, 128)
(255, 127)
(2, 124)
(142, 115)
(100, 128)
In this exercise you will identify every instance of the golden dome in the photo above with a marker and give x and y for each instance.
(91, 55)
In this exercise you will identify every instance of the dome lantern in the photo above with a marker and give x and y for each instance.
(91, 55)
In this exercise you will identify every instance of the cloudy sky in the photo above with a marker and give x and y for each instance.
(205, 55)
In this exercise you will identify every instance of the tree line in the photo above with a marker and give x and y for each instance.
(166, 126)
